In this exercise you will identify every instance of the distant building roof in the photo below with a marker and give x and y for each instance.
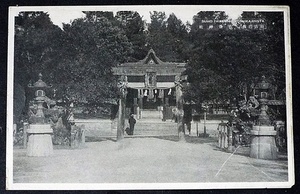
(151, 59)
(150, 62)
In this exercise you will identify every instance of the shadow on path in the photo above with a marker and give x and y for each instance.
(99, 139)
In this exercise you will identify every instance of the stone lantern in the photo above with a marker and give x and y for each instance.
(39, 131)
(263, 144)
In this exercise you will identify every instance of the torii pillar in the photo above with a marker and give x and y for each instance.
(179, 105)
(122, 86)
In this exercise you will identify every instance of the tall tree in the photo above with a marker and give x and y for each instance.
(93, 45)
(37, 46)
(37, 49)
(275, 44)
(226, 63)
(134, 26)
(168, 37)
(156, 37)
(178, 38)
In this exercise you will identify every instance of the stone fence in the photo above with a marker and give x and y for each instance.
(229, 136)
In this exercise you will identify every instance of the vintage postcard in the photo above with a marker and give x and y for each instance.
(149, 97)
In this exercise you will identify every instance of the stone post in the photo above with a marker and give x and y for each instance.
(230, 140)
(205, 108)
(140, 106)
(223, 135)
(25, 127)
(204, 130)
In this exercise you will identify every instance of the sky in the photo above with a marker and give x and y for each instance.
(185, 13)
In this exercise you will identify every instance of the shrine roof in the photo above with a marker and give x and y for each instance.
(151, 60)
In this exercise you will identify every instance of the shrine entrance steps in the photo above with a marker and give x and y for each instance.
(151, 125)
(155, 127)
(151, 114)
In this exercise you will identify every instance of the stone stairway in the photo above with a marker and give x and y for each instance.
(151, 124)
(151, 114)
(155, 127)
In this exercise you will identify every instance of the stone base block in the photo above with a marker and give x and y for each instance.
(39, 140)
(40, 128)
(263, 147)
(39, 145)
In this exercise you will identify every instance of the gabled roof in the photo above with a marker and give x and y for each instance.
(151, 59)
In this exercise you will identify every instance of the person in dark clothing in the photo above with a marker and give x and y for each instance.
(187, 117)
(132, 122)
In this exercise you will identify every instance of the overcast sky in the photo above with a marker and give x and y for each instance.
(61, 15)
(65, 14)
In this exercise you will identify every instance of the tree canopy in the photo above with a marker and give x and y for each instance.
(226, 64)
(222, 64)
(37, 46)
(76, 60)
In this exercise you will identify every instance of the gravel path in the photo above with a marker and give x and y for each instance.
(147, 160)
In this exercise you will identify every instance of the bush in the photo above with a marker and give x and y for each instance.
(61, 133)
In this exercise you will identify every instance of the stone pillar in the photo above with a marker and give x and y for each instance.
(223, 135)
(140, 106)
(230, 140)
(135, 105)
(204, 127)
(25, 127)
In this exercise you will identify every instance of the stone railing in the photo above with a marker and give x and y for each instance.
(96, 127)
(77, 138)
(225, 136)
(77, 135)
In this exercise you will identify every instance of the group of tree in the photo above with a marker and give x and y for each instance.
(77, 59)
(225, 65)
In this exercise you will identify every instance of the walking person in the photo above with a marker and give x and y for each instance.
(187, 117)
(131, 122)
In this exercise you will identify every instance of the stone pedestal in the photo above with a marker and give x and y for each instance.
(263, 144)
(39, 140)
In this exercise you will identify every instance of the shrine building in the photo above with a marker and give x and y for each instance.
(150, 83)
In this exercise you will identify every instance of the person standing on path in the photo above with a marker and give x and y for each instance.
(132, 122)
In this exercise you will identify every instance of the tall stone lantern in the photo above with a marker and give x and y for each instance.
(263, 144)
(39, 131)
